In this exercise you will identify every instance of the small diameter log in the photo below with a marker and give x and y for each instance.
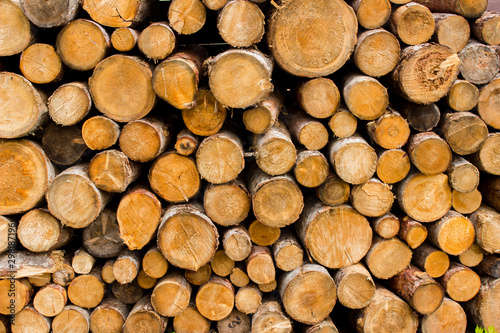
(472, 257)
(41, 64)
(126, 266)
(487, 107)
(7, 226)
(186, 16)
(463, 175)
(262, 234)
(449, 317)
(128, 293)
(276, 201)
(268, 287)
(463, 96)
(69, 153)
(29, 264)
(372, 198)
(319, 97)
(145, 281)
(353, 159)
(143, 318)
(485, 221)
(190, 321)
(101, 238)
(107, 271)
(69, 103)
(238, 277)
(200, 276)
(72, 319)
(372, 14)
(451, 30)
(490, 265)
(465, 132)
(241, 23)
(21, 297)
(275, 152)
(23, 106)
(287, 252)
(87, 291)
(174, 177)
(490, 190)
(269, 317)
(336, 236)
(187, 238)
(484, 307)
(250, 86)
(50, 300)
(82, 262)
(424, 198)
(343, 123)
(112, 171)
(460, 282)
(100, 132)
(387, 257)
(466, 203)
(377, 51)
(30, 320)
(453, 233)
(154, 263)
(122, 14)
(171, 295)
(40, 280)
(65, 274)
(418, 289)
(227, 204)
(479, 63)
(110, 84)
(412, 232)
(138, 226)
(390, 131)
(412, 23)
(221, 264)
(109, 316)
(386, 226)
(82, 44)
(145, 139)
(335, 23)
(431, 260)
(74, 199)
(355, 286)
(206, 117)
(426, 72)
(215, 299)
(429, 153)
(260, 265)
(306, 130)
(235, 322)
(325, 326)
(39, 231)
(484, 28)
(237, 243)
(214, 4)
(386, 312)
(124, 39)
(157, 41)
(248, 299)
(334, 191)
(422, 118)
(264, 115)
(466, 8)
(486, 159)
(365, 96)
(186, 143)
(16, 28)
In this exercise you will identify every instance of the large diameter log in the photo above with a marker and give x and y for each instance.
(387, 257)
(479, 63)
(319, 97)
(100, 132)
(11, 303)
(372, 14)
(122, 78)
(451, 30)
(466, 8)
(260, 265)
(157, 41)
(431, 260)
(412, 232)
(353, 159)
(306, 130)
(69, 103)
(463, 96)
(484, 307)
(121, 14)
(186, 16)
(448, 318)
(66, 154)
(276, 201)
(143, 318)
(41, 64)
(426, 72)
(190, 321)
(87, 291)
(29, 264)
(453, 233)
(215, 299)
(463, 175)
(145, 139)
(101, 238)
(312, 38)
(355, 286)
(486, 159)
(417, 288)
(241, 23)
(15, 28)
(72, 319)
(124, 39)
(227, 204)
(171, 295)
(429, 153)
(109, 316)
(484, 28)
(334, 236)
(393, 165)
(386, 226)
(485, 221)
(187, 237)
(39, 231)
(365, 96)
(334, 191)
(386, 312)
(412, 23)
(487, 106)
(249, 86)
(460, 282)
(237, 243)
(372, 198)
(377, 52)
(269, 318)
(30, 320)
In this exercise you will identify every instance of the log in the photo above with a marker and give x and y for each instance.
(466, 203)
(326, 325)
(238, 277)
(460, 282)
(312, 38)
(107, 271)
(418, 289)
(20, 298)
(451, 30)
(26, 263)
(100, 132)
(248, 299)
(41, 64)
(189, 226)
(355, 286)
(365, 96)
(431, 260)
(206, 117)
(200, 276)
(82, 262)
(343, 123)
(334, 236)
(87, 291)
(186, 143)
(227, 204)
(112, 171)
(39, 231)
(463, 175)
(479, 63)
(7, 226)
(221, 264)
(412, 23)
(484, 28)
(485, 221)
(485, 159)
(490, 265)
(276, 201)
(372, 198)
(4, 324)
(486, 107)
(372, 14)
(157, 41)
(145, 139)
(252, 82)
(123, 14)
(143, 318)
(237, 243)
(72, 319)
(171, 295)
(268, 287)
(426, 72)
(30, 320)
(191, 321)
(287, 252)
(128, 293)
(16, 28)
(235, 322)
(260, 265)
(421, 117)
(69, 153)
(70, 103)
(126, 266)
(390, 131)
(377, 258)
(124, 39)
(75, 209)
(334, 191)
(40, 280)
(449, 317)
(241, 23)
(319, 97)
(482, 308)
(464, 131)
(472, 257)
(306, 130)
(50, 300)
(386, 226)
(65, 274)
(466, 8)
(174, 177)
(263, 235)
(154, 263)
(214, 4)
(145, 281)
(463, 96)
(412, 232)
(453, 233)
(269, 317)
(101, 238)
(311, 168)
(429, 153)
(490, 190)
(109, 316)
(264, 115)
(353, 159)
(393, 165)
(138, 226)
(78, 35)
(377, 51)
(186, 16)
(215, 299)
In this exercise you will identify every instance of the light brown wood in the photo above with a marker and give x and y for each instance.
(412, 23)
(121, 14)
(157, 41)
(50, 300)
(486, 159)
(235, 322)
(484, 307)
(268, 287)
(465, 132)
(451, 30)
(343, 123)
(487, 106)
(390, 131)
(412, 232)
(466, 8)
(472, 257)
(107, 271)
(100, 132)
(15, 28)
(453, 233)
(186, 143)
(377, 258)
(206, 117)
(463, 96)
(171, 295)
(112, 171)
(431, 260)
(287, 252)
(69, 103)
(19, 299)
(248, 299)
(463, 175)
(449, 317)
(154, 263)
(306, 130)
(109, 316)
(241, 23)
(325, 326)
(191, 321)
(124, 39)
(334, 236)
(372, 14)
(101, 238)
(238, 277)
(82, 262)
(187, 237)
(221, 264)
(127, 293)
(67, 154)
(214, 4)
(145, 281)
(377, 51)
(29, 264)
(487, 229)
(215, 299)
(200, 276)
(7, 226)
(319, 97)
(227, 204)
(30, 320)
(186, 16)
(393, 165)
(386, 226)
(40, 64)
(263, 116)
(87, 290)
(466, 203)
(334, 191)
(269, 317)
(4, 324)
(429, 153)
(479, 63)
(65, 274)
(484, 28)
(262, 234)
(365, 96)
(72, 319)
(355, 286)
(237, 243)
(372, 198)
(40, 280)
(126, 266)
(460, 282)
(143, 318)
(260, 265)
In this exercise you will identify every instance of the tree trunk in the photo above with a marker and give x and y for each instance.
(157, 41)
(241, 23)
(144, 318)
(431, 260)
(483, 308)
(112, 171)
(123, 14)
(466, 203)
(453, 233)
(390, 131)
(19, 299)
(484, 28)
(311, 168)
(269, 317)
(355, 286)
(69, 153)
(472, 257)
(50, 300)
(412, 23)
(41, 64)
(237, 243)
(87, 290)
(186, 16)
(248, 299)
(451, 30)
(262, 117)
(30, 320)
(100, 132)
(464, 131)
(319, 97)
(306, 130)
(358, 90)
(485, 221)
(70, 103)
(29, 264)
(215, 299)
(449, 317)
(263, 235)
(154, 263)
(393, 165)
(372, 198)
(377, 51)
(124, 39)
(412, 232)
(109, 316)
(463, 96)
(72, 319)
(227, 204)
(386, 226)
(343, 123)
(191, 321)
(145, 281)
(377, 258)
(487, 108)
(82, 262)
(16, 29)
(238, 277)
(260, 265)
(101, 238)
(372, 14)
(429, 153)
(467, 8)
(460, 282)
(334, 191)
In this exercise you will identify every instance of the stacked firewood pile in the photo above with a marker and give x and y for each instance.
(249, 166)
